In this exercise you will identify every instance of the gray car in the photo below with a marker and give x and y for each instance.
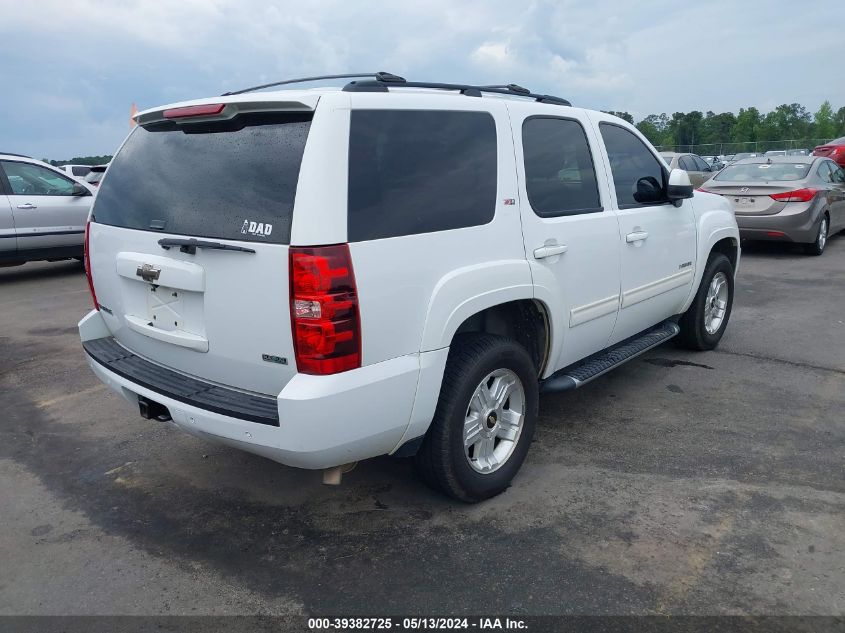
(785, 198)
(697, 168)
(43, 211)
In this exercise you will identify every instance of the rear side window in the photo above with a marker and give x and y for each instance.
(229, 180)
(825, 172)
(560, 177)
(630, 160)
(419, 171)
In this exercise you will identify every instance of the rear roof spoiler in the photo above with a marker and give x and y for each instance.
(232, 107)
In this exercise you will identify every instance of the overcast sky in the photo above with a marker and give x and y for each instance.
(72, 68)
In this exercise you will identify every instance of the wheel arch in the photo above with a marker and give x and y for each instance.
(510, 311)
(717, 232)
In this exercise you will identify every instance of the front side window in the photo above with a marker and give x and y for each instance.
(700, 164)
(630, 160)
(26, 179)
(686, 163)
(560, 177)
(419, 171)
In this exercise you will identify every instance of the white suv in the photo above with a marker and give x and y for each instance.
(324, 276)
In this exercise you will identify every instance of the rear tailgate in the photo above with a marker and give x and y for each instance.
(218, 313)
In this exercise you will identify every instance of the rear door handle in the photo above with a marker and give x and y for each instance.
(27, 205)
(636, 236)
(549, 251)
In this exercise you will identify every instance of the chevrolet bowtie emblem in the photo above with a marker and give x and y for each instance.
(148, 272)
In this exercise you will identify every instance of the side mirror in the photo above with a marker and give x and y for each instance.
(80, 190)
(680, 187)
(648, 191)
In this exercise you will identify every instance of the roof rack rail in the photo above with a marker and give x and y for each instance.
(513, 90)
(13, 154)
(382, 76)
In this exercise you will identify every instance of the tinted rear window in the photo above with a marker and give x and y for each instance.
(80, 171)
(763, 172)
(420, 171)
(218, 180)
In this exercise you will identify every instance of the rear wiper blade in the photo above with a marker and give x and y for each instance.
(190, 246)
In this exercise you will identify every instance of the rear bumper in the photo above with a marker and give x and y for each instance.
(798, 222)
(323, 421)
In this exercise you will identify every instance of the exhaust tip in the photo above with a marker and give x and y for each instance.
(333, 476)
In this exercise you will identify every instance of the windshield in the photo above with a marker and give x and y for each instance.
(764, 172)
(208, 180)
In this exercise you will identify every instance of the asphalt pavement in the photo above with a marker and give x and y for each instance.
(694, 483)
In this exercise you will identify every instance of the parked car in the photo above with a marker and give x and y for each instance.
(391, 270)
(715, 162)
(775, 152)
(699, 170)
(835, 150)
(42, 211)
(742, 156)
(77, 171)
(794, 199)
(797, 152)
(96, 175)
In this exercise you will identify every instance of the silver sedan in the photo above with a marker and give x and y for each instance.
(785, 198)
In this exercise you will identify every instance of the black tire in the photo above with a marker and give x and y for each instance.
(694, 334)
(441, 461)
(818, 246)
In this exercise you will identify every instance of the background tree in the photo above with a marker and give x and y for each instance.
(622, 115)
(825, 124)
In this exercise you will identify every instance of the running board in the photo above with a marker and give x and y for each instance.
(594, 366)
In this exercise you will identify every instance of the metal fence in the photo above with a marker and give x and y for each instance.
(723, 149)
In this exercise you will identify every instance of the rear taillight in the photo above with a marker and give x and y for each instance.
(87, 257)
(324, 310)
(799, 195)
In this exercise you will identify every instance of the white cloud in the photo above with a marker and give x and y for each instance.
(72, 67)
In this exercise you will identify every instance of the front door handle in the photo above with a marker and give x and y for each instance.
(636, 236)
(28, 205)
(550, 250)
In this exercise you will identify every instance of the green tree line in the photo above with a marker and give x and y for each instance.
(749, 127)
(80, 160)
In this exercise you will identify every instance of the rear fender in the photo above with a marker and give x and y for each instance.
(466, 291)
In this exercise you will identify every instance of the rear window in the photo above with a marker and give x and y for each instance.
(419, 171)
(221, 180)
(80, 171)
(763, 172)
